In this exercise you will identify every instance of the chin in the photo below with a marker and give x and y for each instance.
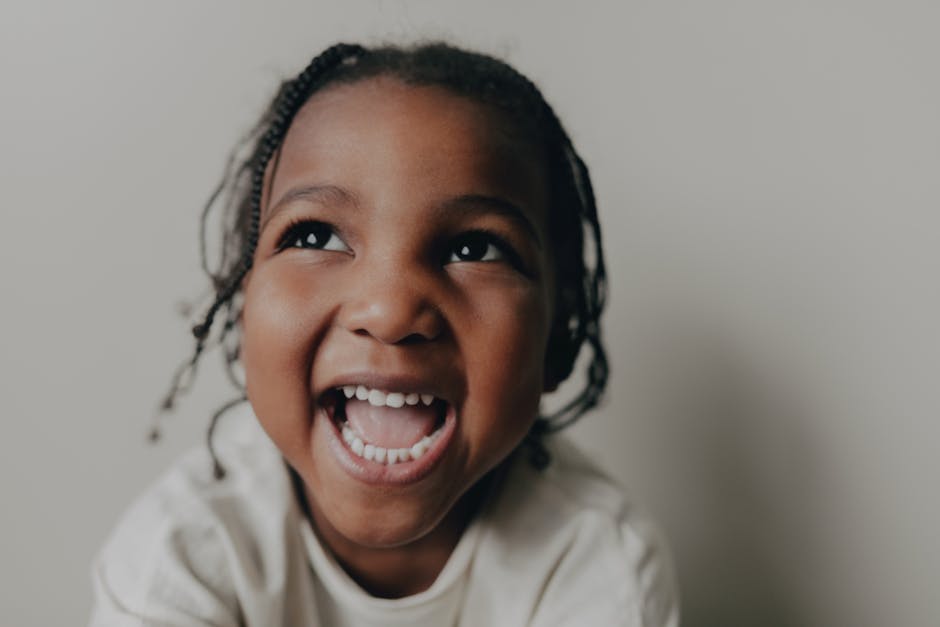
(383, 523)
(388, 534)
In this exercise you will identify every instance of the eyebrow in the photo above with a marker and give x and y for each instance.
(463, 204)
(473, 203)
(326, 194)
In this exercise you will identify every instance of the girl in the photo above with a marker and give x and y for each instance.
(405, 274)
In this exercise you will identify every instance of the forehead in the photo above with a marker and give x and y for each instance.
(380, 137)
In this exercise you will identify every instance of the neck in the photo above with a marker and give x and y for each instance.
(405, 570)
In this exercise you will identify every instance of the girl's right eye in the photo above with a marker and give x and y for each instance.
(313, 235)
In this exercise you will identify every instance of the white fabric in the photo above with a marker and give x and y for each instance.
(552, 548)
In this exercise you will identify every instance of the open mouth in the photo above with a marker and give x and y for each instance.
(385, 427)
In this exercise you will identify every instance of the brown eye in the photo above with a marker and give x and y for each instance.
(313, 235)
(476, 247)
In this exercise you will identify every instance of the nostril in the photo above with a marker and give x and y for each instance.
(411, 338)
(392, 314)
(414, 338)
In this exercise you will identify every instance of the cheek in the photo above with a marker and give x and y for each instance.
(504, 365)
(279, 326)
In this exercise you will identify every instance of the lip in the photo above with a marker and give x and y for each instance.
(402, 473)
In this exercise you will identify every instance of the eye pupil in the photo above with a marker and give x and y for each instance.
(472, 250)
(314, 236)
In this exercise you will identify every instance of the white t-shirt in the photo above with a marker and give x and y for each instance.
(554, 547)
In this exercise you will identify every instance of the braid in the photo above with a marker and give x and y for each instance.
(591, 298)
(579, 321)
(582, 283)
(292, 95)
(217, 469)
(591, 304)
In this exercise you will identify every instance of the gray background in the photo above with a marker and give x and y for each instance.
(767, 175)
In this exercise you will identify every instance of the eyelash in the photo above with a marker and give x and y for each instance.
(301, 229)
(488, 238)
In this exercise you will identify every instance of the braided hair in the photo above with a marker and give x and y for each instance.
(579, 270)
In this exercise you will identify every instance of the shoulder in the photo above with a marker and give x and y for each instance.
(176, 554)
(594, 554)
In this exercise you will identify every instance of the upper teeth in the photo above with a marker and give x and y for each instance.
(378, 398)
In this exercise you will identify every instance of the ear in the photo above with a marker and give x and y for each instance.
(549, 384)
(555, 373)
(559, 359)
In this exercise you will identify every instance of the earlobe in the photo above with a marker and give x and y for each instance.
(552, 378)
(559, 359)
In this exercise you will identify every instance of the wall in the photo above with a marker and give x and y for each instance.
(767, 178)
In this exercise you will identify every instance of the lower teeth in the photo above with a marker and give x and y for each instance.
(387, 456)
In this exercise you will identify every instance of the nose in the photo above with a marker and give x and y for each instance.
(393, 308)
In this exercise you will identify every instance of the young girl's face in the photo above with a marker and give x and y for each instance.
(404, 249)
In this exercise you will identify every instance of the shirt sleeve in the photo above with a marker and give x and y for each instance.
(111, 611)
(160, 600)
(649, 557)
(612, 573)
(163, 569)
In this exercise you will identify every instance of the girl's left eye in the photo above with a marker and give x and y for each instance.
(313, 235)
(477, 246)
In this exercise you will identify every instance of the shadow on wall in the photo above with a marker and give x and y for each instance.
(741, 477)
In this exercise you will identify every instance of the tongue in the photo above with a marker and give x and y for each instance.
(391, 427)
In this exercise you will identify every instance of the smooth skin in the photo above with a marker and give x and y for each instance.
(371, 262)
